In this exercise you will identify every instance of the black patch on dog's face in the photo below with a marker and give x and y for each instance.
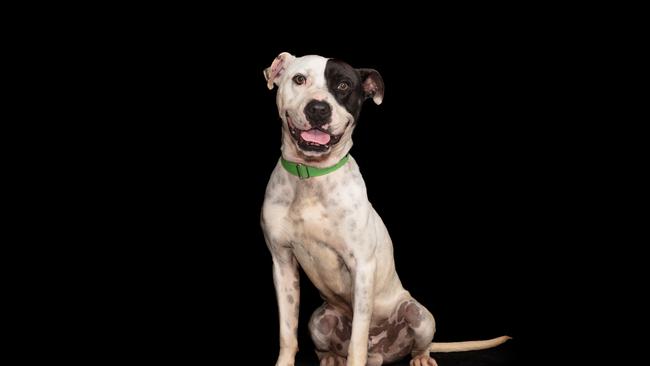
(337, 72)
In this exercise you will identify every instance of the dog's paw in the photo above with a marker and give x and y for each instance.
(286, 358)
(332, 360)
(423, 360)
(284, 363)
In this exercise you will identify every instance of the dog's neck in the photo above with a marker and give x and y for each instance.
(291, 152)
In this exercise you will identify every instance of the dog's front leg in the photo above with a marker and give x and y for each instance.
(287, 289)
(364, 283)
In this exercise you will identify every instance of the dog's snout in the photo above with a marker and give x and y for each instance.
(317, 112)
(319, 108)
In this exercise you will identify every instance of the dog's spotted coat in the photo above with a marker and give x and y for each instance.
(327, 226)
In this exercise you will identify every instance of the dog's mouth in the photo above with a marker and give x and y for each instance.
(315, 139)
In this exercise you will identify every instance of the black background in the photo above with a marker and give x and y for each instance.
(456, 160)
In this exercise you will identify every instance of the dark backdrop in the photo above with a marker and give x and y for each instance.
(455, 161)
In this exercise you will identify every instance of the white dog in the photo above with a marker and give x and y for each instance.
(316, 213)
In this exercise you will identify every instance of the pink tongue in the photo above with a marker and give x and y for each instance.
(315, 136)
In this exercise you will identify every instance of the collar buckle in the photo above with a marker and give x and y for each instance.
(303, 171)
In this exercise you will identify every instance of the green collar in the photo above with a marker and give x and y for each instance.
(305, 171)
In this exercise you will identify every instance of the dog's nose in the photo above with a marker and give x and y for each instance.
(317, 112)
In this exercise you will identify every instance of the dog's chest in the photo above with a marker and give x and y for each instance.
(319, 241)
(323, 220)
(319, 216)
(324, 224)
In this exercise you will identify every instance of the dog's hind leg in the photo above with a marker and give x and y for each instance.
(422, 326)
(330, 330)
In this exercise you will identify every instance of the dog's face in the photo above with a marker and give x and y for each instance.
(319, 101)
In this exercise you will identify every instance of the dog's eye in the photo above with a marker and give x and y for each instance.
(343, 86)
(299, 79)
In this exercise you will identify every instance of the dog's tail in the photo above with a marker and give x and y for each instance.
(467, 346)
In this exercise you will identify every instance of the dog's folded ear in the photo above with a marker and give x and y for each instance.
(273, 72)
(373, 84)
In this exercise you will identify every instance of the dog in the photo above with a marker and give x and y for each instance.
(316, 214)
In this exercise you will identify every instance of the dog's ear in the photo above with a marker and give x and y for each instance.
(273, 72)
(373, 84)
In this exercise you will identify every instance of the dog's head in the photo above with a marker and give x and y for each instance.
(319, 101)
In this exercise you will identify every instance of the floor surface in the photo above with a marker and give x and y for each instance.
(503, 355)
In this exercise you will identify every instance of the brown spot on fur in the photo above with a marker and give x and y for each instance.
(320, 196)
(365, 308)
(296, 284)
(392, 333)
(380, 346)
(281, 202)
(413, 315)
(290, 299)
(375, 331)
(393, 327)
(327, 324)
(345, 331)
